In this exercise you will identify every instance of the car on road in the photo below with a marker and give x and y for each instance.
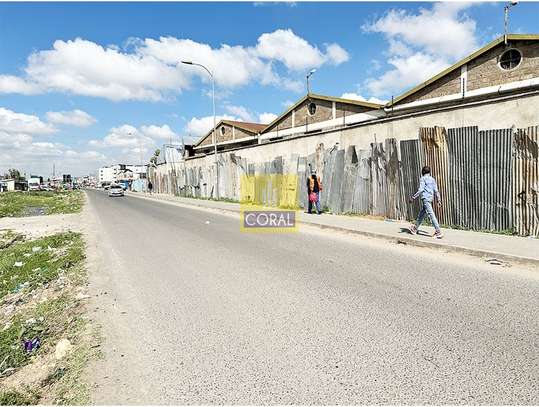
(116, 190)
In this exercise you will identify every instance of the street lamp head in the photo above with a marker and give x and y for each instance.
(187, 62)
(312, 71)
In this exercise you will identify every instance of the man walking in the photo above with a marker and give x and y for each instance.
(150, 186)
(428, 190)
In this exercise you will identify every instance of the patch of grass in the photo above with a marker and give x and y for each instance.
(30, 264)
(15, 204)
(9, 237)
(17, 398)
(69, 389)
(60, 316)
(49, 321)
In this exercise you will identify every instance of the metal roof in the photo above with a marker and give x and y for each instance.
(326, 98)
(497, 41)
(253, 128)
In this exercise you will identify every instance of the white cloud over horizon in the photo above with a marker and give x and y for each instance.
(19, 148)
(83, 67)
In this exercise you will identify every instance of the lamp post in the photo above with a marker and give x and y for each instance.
(307, 77)
(214, 122)
(506, 8)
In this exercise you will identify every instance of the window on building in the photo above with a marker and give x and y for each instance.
(311, 108)
(223, 130)
(510, 59)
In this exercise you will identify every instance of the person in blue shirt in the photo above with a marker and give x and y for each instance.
(428, 190)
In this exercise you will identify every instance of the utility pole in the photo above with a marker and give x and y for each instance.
(506, 8)
(214, 124)
(307, 77)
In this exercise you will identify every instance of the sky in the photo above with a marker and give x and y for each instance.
(84, 85)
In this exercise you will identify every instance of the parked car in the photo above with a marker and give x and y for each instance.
(116, 190)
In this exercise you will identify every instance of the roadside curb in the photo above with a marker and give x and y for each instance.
(505, 257)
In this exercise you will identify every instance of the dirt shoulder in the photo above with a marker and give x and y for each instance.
(46, 337)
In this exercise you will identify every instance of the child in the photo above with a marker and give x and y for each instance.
(426, 192)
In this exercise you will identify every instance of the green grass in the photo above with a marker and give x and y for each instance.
(39, 261)
(16, 204)
(17, 398)
(60, 262)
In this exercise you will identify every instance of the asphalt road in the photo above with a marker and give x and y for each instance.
(201, 313)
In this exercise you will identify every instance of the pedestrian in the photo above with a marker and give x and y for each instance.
(150, 186)
(314, 187)
(428, 190)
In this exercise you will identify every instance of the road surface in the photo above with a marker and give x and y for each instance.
(196, 312)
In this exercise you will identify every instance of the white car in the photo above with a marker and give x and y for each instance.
(116, 190)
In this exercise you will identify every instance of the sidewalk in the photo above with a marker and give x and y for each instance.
(488, 245)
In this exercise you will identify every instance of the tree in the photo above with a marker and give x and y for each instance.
(14, 173)
(153, 160)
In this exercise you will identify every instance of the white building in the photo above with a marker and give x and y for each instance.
(118, 172)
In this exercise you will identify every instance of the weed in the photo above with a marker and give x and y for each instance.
(33, 263)
(40, 203)
(17, 398)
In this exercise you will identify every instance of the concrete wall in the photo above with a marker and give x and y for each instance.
(376, 149)
(518, 112)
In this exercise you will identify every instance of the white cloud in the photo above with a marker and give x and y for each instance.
(422, 44)
(77, 118)
(441, 30)
(14, 84)
(241, 112)
(12, 122)
(266, 118)
(336, 55)
(291, 50)
(295, 52)
(129, 144)
(355, 96)
(407, 72)
(163, 132)
(85, 68)
(199, 126)
(151, 69)
(18, 149)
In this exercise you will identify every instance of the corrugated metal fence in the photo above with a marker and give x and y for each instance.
(488, 180)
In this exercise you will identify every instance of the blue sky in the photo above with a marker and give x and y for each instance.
(87, 84)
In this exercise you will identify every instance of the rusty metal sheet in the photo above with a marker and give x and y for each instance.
(350, 175)
(434, 146)
(526, 182)
(411, 172)
(335, 196)
(379, 179)
(362, 200)
(395, 198)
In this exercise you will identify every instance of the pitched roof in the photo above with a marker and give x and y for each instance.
(329, 99)
(488, 47)
(254, 128)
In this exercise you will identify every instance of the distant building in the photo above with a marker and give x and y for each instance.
(120, 172)
(9, 185)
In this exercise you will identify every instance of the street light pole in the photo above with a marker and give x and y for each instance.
(307, 77)
(214, 123)
(506, 17)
